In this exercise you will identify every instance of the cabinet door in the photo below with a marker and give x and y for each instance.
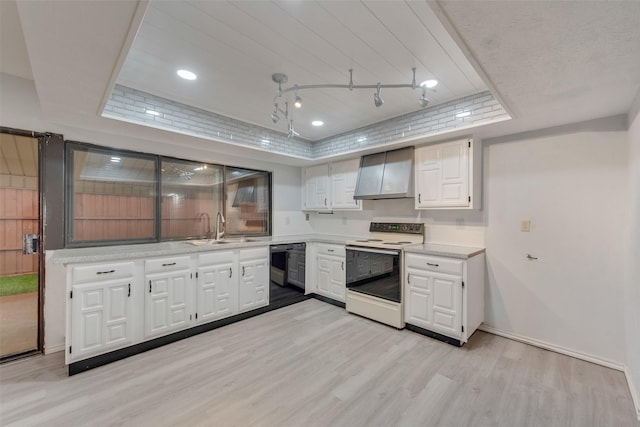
(324, 275)
(434, 302)
(217, 290)
(337, 279)
(316, 187)
(344, 176)
(442, 175)
(254, 284)
(167, 306)
(101, 317)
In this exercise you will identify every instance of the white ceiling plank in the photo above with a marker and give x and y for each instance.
(409, 30)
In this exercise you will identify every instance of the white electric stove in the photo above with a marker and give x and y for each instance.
(374, 271)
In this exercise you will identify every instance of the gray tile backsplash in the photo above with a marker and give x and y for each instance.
(135, 106)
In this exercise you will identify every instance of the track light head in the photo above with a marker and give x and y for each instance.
(423, 99)
(274, 117)
(376, 97)
(298, 102)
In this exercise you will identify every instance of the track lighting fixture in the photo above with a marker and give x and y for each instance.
(376, 97)
(281, 79)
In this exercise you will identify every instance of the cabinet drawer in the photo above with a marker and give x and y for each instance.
(101, 272)
(256, 253)
(167, 264)
(216, 257)
(434, 263)
(327, 249)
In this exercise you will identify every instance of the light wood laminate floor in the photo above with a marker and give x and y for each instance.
(313, 364)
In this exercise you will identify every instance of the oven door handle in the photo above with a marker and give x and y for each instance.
(373, 251)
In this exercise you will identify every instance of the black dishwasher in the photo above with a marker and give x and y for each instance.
(288, 265)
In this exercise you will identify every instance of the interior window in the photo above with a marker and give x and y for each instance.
(248, 202)
(192, 195)
(112, 196)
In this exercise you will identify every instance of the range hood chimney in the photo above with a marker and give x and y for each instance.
(386, 175)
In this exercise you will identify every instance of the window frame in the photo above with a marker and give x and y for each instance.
(72, 146)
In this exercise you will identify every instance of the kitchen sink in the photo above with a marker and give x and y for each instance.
(213, 242)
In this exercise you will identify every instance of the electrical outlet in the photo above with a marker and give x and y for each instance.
(525, 225)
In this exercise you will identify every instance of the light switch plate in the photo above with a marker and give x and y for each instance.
(525, 225)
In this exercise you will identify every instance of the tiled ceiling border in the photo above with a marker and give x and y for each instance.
(135, 106)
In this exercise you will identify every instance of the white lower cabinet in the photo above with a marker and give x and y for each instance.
(169, 295)
(217, 286)
(101, 315)
(331, 279)
(253, 289)
(444, 295)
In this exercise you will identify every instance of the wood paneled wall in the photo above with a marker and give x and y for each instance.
(18, 216)
(110, 217)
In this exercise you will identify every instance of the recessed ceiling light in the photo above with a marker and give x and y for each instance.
(463, 114)
(152, 112)
(187, 75)
(429, 83)
(317, 123)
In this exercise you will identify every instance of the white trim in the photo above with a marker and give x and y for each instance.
(54, 349)
(552, 347)
(633, 390)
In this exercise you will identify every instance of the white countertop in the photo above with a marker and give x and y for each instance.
(146, 250)
(453, 251)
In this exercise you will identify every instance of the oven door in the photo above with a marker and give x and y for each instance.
(374, 272)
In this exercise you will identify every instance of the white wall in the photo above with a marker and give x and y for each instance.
(573, 189)
(632, 297)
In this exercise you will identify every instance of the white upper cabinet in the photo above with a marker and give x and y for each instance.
(316, 188)
(445, 176)
(331, 186)
(343, 177)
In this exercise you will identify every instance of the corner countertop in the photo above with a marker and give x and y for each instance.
(146, 250)
(453, 251)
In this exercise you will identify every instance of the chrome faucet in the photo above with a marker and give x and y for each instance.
(219, 221)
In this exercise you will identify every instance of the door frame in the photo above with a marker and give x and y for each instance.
(50, 181)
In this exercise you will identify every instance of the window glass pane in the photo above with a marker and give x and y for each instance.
(192, 195)
(248, 203)
(113, 196)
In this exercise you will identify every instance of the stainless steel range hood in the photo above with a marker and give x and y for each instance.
(386, 175)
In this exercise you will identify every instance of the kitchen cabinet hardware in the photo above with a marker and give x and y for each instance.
(149, 286)
(230, 272)
(330, 250)
(433, 265)
(169, 264)
(419, 198)
(342, 265)
(408, 278)
(531, 257)
(325, 201)
(105, 272)
(243, 271)
(129, 293)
